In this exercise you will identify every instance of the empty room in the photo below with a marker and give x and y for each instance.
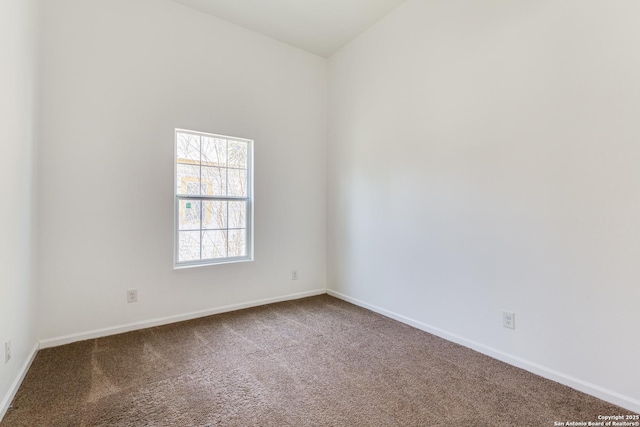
(320, 213)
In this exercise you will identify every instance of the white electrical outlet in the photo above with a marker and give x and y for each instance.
(294, 274)
(132, 295)
(509, 319)
(7, 351)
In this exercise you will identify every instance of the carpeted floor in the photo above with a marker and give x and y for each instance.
(317, 361)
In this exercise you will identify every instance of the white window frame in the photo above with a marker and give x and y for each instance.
(178, 197)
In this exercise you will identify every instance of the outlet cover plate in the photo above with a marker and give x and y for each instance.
(132, 295)
(509, 319)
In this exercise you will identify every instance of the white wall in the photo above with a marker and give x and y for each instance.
(118, 76)
(485, 156)
(18, 115)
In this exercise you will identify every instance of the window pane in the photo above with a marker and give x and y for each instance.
(237, 183)
(188, 148)
(189, 215)
(237, 154)
(214, 181)
(237, 214)
(188, 181)
(214, 151)
(214, 244)
(237, 243)
(215, 215)
(188, 246)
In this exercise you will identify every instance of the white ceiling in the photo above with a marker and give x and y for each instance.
(318, 26)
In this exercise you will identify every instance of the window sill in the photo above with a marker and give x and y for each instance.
(209, 263)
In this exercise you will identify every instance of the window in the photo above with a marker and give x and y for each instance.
(214, 199)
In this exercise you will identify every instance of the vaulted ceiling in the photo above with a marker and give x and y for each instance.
(317, 26)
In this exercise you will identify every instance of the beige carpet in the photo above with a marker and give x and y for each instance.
(317, 362)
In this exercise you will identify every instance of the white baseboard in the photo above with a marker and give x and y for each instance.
(67, 339)
(543, 371)
(6, 401)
